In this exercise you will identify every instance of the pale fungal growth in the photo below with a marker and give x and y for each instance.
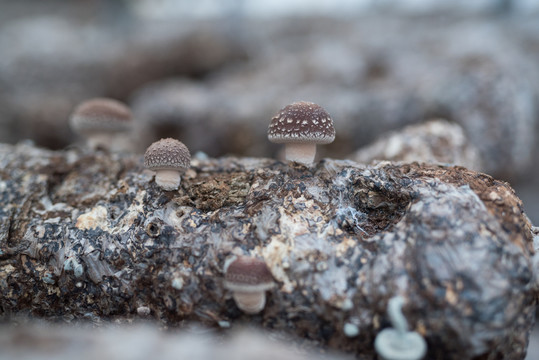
(71, 264)
(177, 283)
(102, 122)
(398, 343)
(301, 126)
(143, 311)
(168, 158)
(248, 278)
(350, 330)
(48, 278)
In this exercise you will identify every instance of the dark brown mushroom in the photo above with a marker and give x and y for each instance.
(248, 278)
(168, 158)
(301, 126)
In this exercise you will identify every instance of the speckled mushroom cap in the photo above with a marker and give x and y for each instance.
(100, 115)
(167, 154)
(248, 274)
(302, 122)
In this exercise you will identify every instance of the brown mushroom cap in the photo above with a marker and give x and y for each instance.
(100, 115)
(167, 154)
(248, 274)
(302, 122)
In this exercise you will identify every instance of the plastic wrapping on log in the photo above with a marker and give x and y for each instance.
(90, 236)
(37, 341)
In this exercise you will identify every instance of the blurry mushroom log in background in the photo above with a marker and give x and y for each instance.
(301, 126)
(248, 278)
(168, 158)
(340, 239)
(437, 141)
(104, 123)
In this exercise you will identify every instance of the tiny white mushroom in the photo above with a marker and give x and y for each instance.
(102, 122)
(301, 126)
(248, 278)
(398, 343)
(168, 158)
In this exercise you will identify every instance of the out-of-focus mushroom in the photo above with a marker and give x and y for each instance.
(168, 158)
(301, 126)
(248, 278)
(398, 343)
(102, 122)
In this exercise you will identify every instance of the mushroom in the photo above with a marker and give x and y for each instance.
(398, 343)
(301, 126)
(248, 278)
(102, 122)
(168, 158)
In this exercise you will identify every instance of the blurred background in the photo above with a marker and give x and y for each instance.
(212, 73)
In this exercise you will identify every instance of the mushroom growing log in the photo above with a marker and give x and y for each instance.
(88, 236)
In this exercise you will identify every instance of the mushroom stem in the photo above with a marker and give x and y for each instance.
(168, 180)
(394, 311)
(112, 142)
(250, 302)
(303, 153)
(100, 141)
(397, 342)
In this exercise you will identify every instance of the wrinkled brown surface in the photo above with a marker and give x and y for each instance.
(90, 236)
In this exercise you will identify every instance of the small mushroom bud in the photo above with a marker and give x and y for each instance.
(248, 278)
(102, 122)
(168, 158)
(398, 342)
(301, 126)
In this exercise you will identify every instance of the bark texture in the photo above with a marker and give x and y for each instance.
(90, 236)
